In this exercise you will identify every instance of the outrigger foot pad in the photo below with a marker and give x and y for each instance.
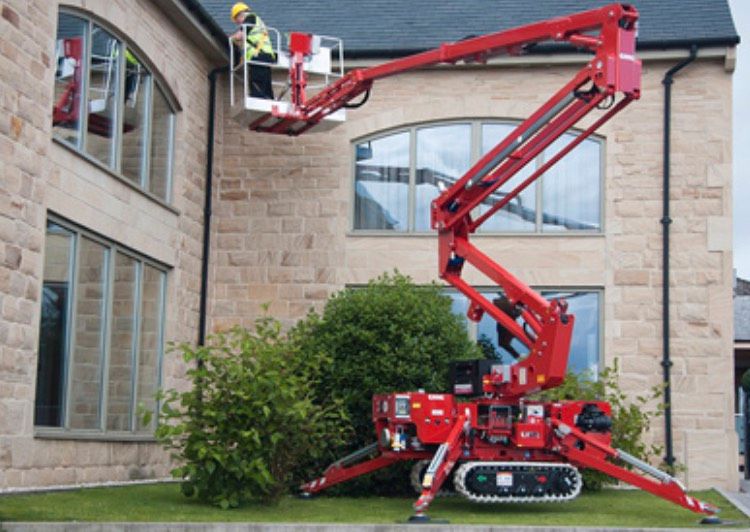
(420, 518)
(711, 520)
(305, 495)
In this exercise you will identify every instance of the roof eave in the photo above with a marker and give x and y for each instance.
(556, 48)
(208, 34)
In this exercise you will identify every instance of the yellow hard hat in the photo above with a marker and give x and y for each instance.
(238, 8)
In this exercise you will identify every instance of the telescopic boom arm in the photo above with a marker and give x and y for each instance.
(609, 80)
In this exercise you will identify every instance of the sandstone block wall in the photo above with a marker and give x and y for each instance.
(282, 231)
(40, 176)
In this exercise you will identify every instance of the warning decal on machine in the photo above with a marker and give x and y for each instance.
(504, 479)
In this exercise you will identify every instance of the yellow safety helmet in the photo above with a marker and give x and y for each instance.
(238, 8)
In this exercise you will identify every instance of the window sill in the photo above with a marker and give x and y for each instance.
(121, 178)
(432, 234)
(83, 435)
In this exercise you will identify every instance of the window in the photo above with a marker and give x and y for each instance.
(396, 177)
(100, 335)
(585, 346)
(102, 83)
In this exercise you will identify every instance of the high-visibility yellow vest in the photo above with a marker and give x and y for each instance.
(258, 40)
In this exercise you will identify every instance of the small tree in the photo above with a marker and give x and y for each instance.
(250, 422)
(389, 336)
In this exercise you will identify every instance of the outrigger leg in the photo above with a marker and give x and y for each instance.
(349, 467)
(585, 451)
(440, 467)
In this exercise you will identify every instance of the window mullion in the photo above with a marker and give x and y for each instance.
(412, 193)
(135, 352)
(106, 332)
(86, 82)
(119, 109)
(148, 118)
(73, 319)
(539, 161)
(162, 328)
(170, 156)
(476, 143)
(71, 330)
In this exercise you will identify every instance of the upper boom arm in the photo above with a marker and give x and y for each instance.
(612, 72)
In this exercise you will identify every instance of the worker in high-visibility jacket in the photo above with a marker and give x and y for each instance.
(259, 49)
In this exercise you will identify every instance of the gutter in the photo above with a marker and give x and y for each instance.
(666, 221)
(553, 49)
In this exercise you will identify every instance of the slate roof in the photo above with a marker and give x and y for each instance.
(742, 318)
(395, 27)
(742, 287)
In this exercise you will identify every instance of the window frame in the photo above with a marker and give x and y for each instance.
(154, 84)
(476, 124)
(111, 250)
(472, 326)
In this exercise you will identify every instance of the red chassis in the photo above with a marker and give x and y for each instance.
(423, 426)
(507, 448)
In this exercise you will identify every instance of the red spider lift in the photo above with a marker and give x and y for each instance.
(500, 446)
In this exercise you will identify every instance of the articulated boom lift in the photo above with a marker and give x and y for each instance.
(499, 446)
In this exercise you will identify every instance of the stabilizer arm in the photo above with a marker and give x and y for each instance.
(442, 463)
(584, 451)
(352, 466)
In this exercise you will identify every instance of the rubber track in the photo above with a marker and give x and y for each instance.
(459, 480)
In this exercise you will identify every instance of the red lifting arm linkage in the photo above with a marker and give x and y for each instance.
(542, 326)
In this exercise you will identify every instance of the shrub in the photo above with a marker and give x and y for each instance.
(631, 419)
(249, 422)
(388, 336)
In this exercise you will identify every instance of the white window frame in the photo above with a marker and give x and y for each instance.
(152, 85)
(475, 147)
(111, 250)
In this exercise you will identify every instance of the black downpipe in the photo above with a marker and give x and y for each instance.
(212, 77)
(666, 362)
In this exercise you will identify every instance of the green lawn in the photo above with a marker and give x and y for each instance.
(163, 502)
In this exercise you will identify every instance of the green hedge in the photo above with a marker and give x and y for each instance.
(389, 336)
(250, 423)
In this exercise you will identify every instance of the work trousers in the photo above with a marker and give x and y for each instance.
(260, 77)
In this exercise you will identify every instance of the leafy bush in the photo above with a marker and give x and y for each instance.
(631, 419)
(388, 336)
(249, 423)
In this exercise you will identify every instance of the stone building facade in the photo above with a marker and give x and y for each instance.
(48, 180)
(284, 232)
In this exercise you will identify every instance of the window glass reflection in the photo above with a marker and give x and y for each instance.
(160, 169)
(53, 327)
(103, 82)
(150, 343)
(572, 187)
(585, 343)
(88, 345)
(381, 183)
(134, 97)
(119, 393)
(584, 346)
(69, 53)
(520, 213)
(443, 155)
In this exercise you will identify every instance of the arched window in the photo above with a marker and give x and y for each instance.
(109, 107)
(396, 176)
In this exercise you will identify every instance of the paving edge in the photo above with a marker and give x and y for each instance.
(85, 485)
(736, 501)
(297, 527)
